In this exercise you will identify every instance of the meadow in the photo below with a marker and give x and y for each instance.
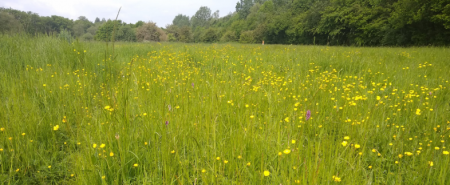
(173, 113)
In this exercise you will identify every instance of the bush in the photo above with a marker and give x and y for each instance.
(247, 37)
(87, 37)
(229, 36)
(150, 32)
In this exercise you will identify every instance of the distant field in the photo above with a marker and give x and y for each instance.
(172, 113)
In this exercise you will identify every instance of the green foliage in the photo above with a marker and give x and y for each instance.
(247, 37)
(104, 32)
(8, 24)
(65, 35)
(181, 20)
(201, 17)
(210, 35)
(229, 36)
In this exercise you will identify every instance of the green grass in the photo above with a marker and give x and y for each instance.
(168, 111)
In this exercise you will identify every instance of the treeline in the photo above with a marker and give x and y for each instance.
(324, 22)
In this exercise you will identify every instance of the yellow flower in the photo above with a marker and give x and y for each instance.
(287, 151)
(400, 156)
(49, 167)
(225, 161)
(107, 107)
(17, 170)
(336, 179)
(239, 157)
(286, 119)
(346, 137)
(103, 177)
(102, 146)
(2, 129)
(135, 165)
(370, 167)
(94, 145)
(266, 173)
(408, 153)
(218, 158)
(279, 153)
(357, 146)
(44, 85)
(23, 134)
(203, 170)
(445, 152)
(418, 112)
(430, 163)
(344, 143)
(111, 154)
(293, 141)
(436, 148)
(378, 97)
(248, 164)
(374, 150)
(56, 127)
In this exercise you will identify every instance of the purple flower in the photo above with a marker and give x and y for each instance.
(308, 115)
(167, 123)
(192, 85)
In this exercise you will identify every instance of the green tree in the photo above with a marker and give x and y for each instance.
(181, 20)
(201, 17)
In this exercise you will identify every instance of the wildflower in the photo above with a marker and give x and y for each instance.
(408, 153)
(167, 123)
(346, 137)
(251, 117)
(370, 167)
(103, 177)
(286, 119)
(344, 143)
(436, 148)
(107, 107)
(2, 129)
(400, 156)
(374, 150)
(239, 157)
(23, 134)
(293, 141)
(49, 167)
(225, 161)
(102, 146)
(266, 173)
(17, 170)
(248, 164)
(445, 152)
(173, 151)
(55, 128)
(111, 154)
(357, 146)
(287, 151)
(94, 145)
(203, 171)
(336, 179)
(117, 136)
(308, 115)
(418, 112)
(218, 158)
(430, 163)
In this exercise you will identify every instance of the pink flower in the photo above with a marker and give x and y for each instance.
(308, 115)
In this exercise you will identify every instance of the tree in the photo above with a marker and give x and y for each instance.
(181, 20)
(97, 20)
(104, 32)
(201, 17)
(150, 32)
(8, 23)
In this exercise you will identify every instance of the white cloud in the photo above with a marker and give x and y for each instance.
(160, 11)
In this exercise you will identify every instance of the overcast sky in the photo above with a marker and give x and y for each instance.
(160, 11)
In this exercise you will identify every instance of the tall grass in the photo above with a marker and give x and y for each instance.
(163, 113)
